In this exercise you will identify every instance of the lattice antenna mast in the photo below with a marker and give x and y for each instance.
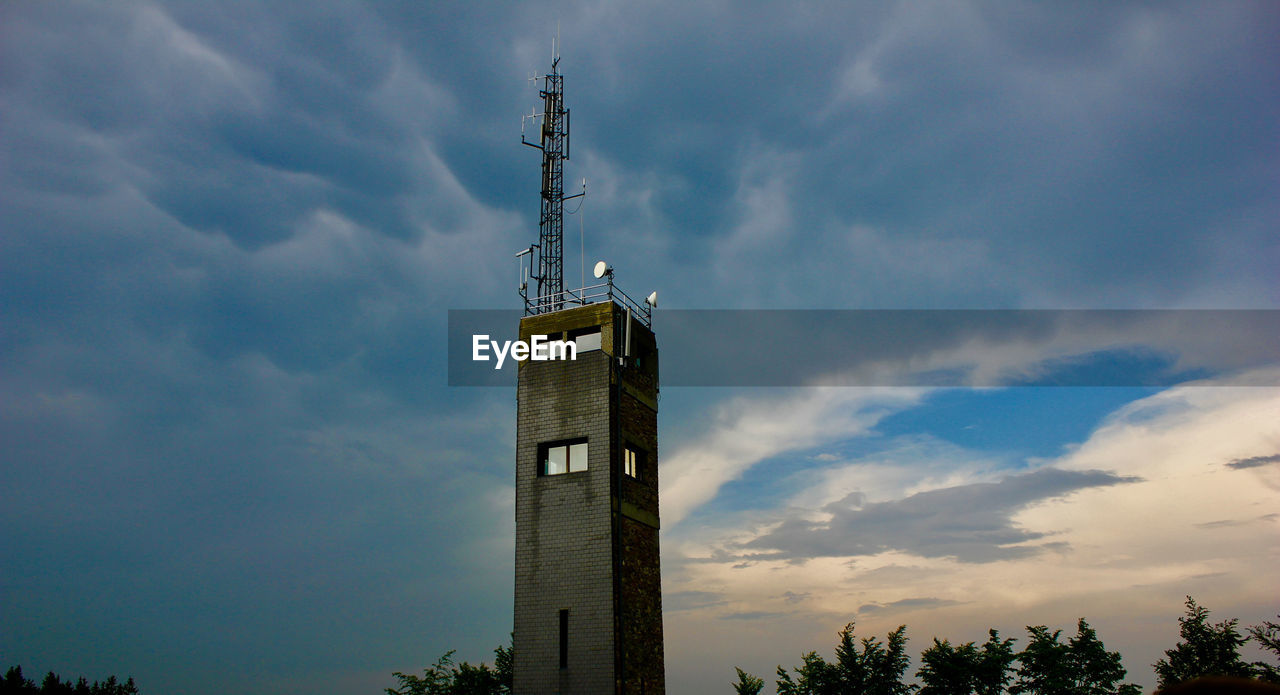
(554, 143)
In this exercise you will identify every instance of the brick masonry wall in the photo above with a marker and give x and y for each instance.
(640, 429)
(574, 531)
(641, 609)
(640, 588)
(563, 531)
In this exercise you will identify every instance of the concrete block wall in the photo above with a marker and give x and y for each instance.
(574, 531)
(640, 588)
(563, 531)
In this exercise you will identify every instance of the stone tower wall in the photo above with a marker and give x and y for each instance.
(588, 541)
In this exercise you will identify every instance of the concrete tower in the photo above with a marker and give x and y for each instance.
(588, 610)
(588, 595)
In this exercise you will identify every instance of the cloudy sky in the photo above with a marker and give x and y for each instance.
(230, 236)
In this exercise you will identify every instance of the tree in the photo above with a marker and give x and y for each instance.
(504, 666)
(474, 680)
(815, 677)
(1205, 650)
(995, 661)
(1096, 671)
(1043, 666)
(862, 667)
(15, 684)
(947, 670)
(436, 679)
(747, 684)
(1268, 637)
(966, 669)
(1082, 666)
(882, 667)
(444, 677)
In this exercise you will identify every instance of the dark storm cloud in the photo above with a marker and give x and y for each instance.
(949, 154)
(227, 180)
(232, 127)
(1253, 461)
(972, 523)
(225, 244)
(230, 234)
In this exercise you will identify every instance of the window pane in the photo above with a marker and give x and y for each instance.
(631, 459)
(556, 462)
(577, 457)
(589, 341)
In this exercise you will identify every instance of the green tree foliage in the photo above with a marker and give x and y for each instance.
(947, 670)
(814, 677)
(15, 684)
(966, 669)
(1042, 666)
(436, 679)
(474, 680)
(1205, 650)
(1097, 671)
(1082, 666)
(862, 667)
(880, 667)
(747, 684)
(995, 661)
(1267, 635)
(444, 677)
(504, 666)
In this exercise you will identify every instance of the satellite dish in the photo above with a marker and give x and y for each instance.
(601, 269)
(652, 299)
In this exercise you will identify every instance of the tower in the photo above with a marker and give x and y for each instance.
(588, 597)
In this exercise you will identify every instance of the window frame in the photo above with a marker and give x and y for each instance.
(546, 449)
(633, 458)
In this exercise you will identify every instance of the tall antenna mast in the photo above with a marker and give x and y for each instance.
(554, 143)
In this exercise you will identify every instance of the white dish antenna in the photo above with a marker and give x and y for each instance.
(602, 269)
(652, 299)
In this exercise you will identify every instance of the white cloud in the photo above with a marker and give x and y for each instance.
(747, 431)
(1180, 442)
(911, 465)
(1122, 555)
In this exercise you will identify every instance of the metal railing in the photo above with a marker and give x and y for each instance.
(592, 294)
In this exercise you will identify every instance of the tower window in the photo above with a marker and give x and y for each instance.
(563, 457)
(632, 459)
(588, 339)
(564, 638)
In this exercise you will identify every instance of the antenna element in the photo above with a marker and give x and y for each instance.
(546, 266)
(554, 143)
